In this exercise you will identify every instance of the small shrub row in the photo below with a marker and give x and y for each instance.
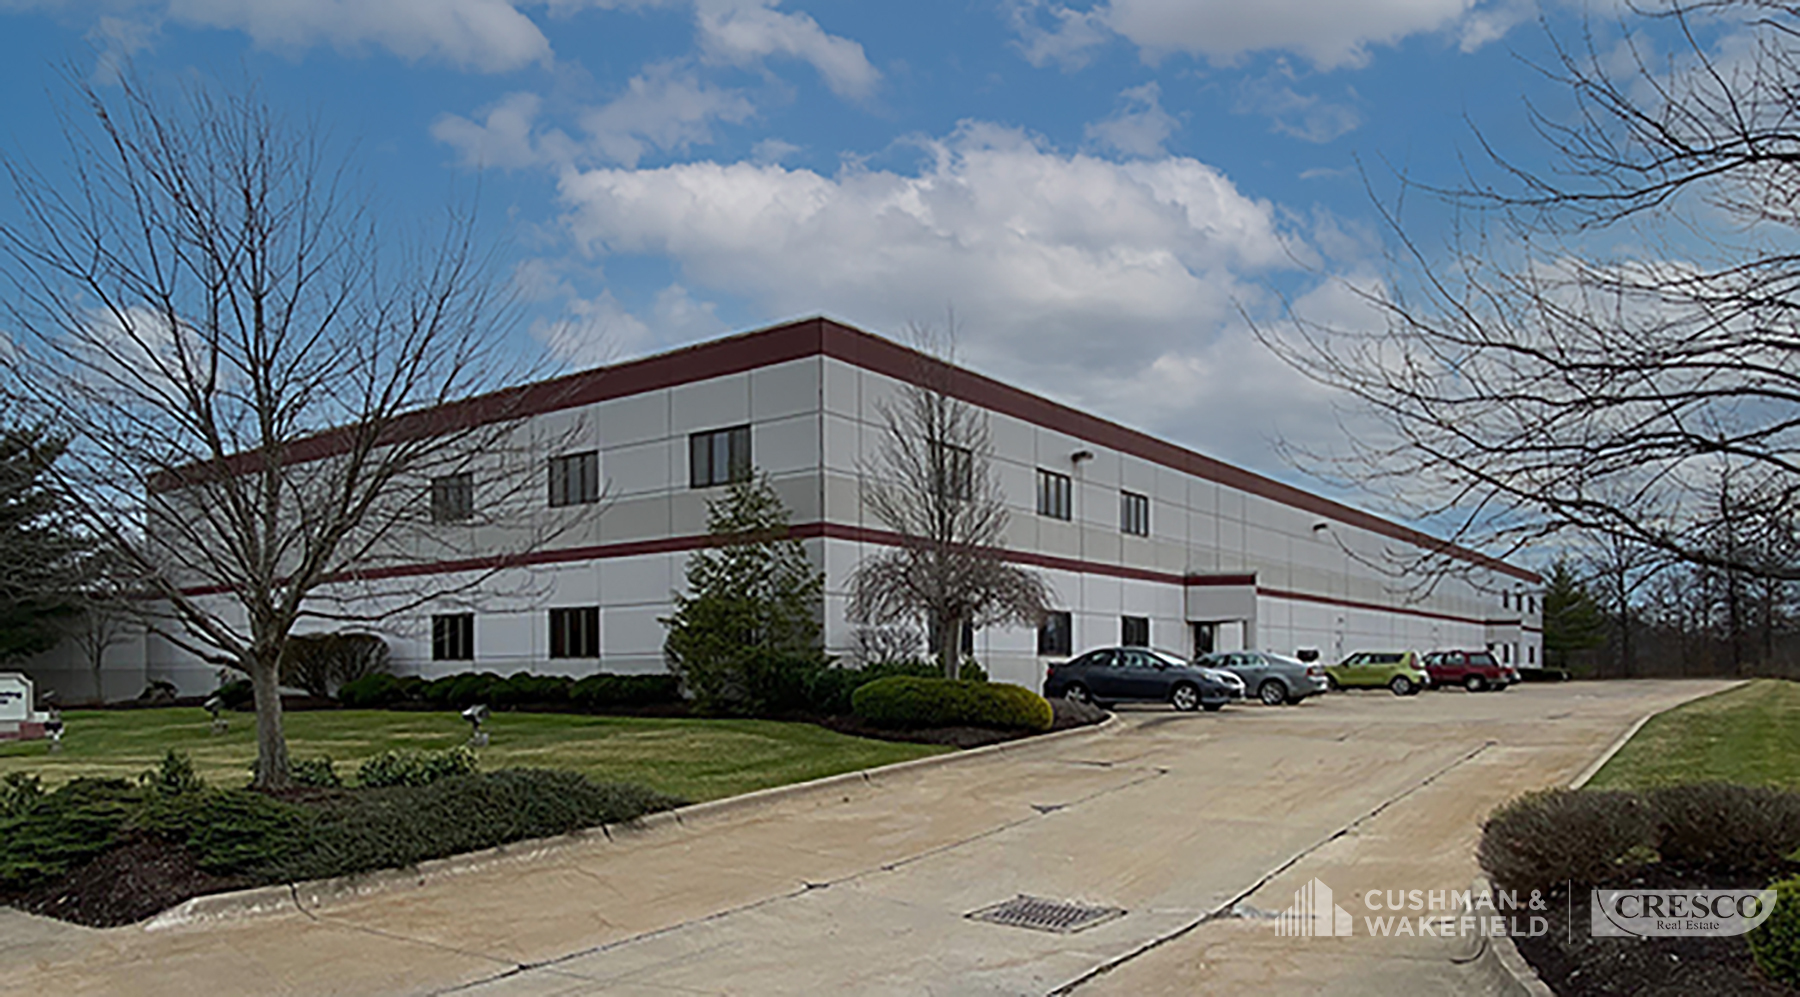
(910, 701)
(1775, 943)
(465, 689)
(1587, 837)
(415, 768)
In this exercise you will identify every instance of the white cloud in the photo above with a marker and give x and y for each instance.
(504, 138)
(744, 32)
(600, 330)
(1330, 34)
(1304, 116)
(487, 35)
(1115, 286)
(667, 108)
(1139, 127)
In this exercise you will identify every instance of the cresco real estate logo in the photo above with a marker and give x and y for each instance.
(1661, 913)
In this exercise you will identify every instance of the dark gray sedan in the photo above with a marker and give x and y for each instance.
(1273, 678)
(1140, 674)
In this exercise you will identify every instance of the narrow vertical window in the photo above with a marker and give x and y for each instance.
(1054, 495)
(575, 479)
(952, 472)
(1056, 635)
(1134, 513)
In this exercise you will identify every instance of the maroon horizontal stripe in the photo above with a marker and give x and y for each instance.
(825, 337)
(833, 531)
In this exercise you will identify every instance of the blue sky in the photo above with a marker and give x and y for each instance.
(1100, 191)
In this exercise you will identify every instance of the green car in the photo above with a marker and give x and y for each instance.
(1398, 670)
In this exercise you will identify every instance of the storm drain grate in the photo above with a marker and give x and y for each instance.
(1045, 915)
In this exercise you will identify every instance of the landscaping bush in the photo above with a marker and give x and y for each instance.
(415, 768)
(906, 701)
(237, 694)
(596, 692)
(1543, 675)
(173, 777)
(1586, 836)
(321, 663)
(318, 773)
(1726, 828)
(374, 692)
(19, 792)
(228, 831)
(405, 825)
(1776, 942)
(64, 829)
(526, 689)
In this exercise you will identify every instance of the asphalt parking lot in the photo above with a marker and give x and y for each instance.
(1196, 825)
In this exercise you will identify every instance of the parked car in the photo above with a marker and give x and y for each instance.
(1140, 674)
(1273, 678)
(1397, 670)
(1475, 671)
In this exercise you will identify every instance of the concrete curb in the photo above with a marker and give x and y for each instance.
(305, 897)
(1500, 969)
(1525, 979)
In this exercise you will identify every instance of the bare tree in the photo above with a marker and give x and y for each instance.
(932, 484)
(273, 402)
(1534, 378)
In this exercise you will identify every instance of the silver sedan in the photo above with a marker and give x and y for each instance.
(1273, 678)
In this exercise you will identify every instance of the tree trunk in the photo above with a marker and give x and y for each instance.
(271, 743)
(950, 646)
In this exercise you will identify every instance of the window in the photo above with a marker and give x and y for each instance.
(575, 633)
(1204, 635)
(1531, 653)
(1053, 495)
(1056, 635)
(1134, 631)
(719, 457)
(453, 498)
(575, 479)
(953, 471)
(453, 637)
(1134, 513)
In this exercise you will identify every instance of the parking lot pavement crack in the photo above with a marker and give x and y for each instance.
(1227, 908)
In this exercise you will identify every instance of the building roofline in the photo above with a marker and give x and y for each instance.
(821, 336)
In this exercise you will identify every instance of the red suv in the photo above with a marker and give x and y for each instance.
(1473, 670)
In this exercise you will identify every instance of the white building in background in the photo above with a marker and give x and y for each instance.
(1143, 541)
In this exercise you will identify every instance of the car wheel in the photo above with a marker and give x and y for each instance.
(1474, 683)
(1185, 697)
(1212, 707)
(1077, 693)
(1401, 685)
(1272, 693)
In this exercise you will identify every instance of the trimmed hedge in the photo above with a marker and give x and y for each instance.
(416, 768)
(1589, 837)
(909, 701)
(522, 689)
(1776, 942)
(64, 829)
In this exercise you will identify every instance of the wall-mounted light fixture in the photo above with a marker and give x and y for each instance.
(1321, 527)
(1081, 455)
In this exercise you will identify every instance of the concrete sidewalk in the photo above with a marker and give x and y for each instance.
(1174, 817)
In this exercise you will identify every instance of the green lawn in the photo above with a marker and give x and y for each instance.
(1750, 734)
(694, 759)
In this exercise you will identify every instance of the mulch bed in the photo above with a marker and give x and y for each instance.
(124, 885)
(1576, 964)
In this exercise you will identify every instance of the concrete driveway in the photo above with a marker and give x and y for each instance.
(1196, 824)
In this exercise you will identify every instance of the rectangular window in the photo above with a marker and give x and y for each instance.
(719, 457)
(453, 637)
(453, 498)
(953, 471)
(1134, 631)
(1531, 652)
(1134, 513)
(1053, 495)
(1056, 635)
(575, 479)
(575, 633)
